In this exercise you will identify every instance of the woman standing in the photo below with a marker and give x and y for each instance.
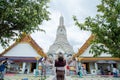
(60, 67)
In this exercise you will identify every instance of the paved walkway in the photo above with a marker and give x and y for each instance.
(53, 78)
(32, 77)
(86, 78)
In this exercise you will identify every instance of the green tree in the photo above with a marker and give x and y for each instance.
(18, 16)
(106, 28)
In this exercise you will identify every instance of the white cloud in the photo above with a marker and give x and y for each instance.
(77, 37)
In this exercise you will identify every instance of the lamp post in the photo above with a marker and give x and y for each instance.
(36, 71)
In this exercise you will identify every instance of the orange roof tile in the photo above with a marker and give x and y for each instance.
(97, 58)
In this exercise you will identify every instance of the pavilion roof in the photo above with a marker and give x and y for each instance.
(26, 39)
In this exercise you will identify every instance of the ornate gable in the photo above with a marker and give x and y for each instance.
(26, 39)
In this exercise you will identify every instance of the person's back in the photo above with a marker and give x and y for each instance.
(60, 70)
(2, 67)
(60, 62)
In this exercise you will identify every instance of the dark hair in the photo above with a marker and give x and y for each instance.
(60, 52)
(60, 58)
(5, 62)
(6, 58)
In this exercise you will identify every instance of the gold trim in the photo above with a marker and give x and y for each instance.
(96, 59)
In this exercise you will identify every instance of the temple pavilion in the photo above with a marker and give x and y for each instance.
(23, 54)
(93, 64)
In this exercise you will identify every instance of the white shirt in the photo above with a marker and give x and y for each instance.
(114, 70)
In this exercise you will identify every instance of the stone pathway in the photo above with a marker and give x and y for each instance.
(32, 77)
(53, 78)
(22, 77)
(85, 78)
(94, 78)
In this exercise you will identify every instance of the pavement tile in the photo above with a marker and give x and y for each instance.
(52, 77)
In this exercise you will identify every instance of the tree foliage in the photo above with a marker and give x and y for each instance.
(105, 27)
(18, 16)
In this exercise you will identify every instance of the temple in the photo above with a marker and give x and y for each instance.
(61, 43)
(94, 64)
(25, 54)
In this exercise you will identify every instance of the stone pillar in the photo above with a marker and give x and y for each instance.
(78, 65)
(112, 66)
(54, 68)
(28, 67)
(23, 67)
(96, 67)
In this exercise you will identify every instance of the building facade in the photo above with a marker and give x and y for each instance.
(95, 65)
(62, 45)
(23, 55)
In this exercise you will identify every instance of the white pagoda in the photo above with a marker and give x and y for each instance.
(61, 43)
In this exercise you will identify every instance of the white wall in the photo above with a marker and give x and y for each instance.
(87, 54)
(22, 50)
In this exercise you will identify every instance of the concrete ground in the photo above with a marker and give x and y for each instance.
(86, 78)
(32, 77)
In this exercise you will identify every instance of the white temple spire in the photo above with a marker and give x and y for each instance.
(61, 21)
(61, 43)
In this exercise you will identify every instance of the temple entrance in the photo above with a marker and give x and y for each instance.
(33, 67)
(87, 67)
(105, 67)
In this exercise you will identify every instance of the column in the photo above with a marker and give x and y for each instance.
(54, 68)
(96, 68)
(112, 66)
(36, 71)
(28, 67)
(23, 67)
(80, 71)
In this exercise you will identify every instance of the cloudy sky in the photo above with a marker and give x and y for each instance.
(66, 8)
